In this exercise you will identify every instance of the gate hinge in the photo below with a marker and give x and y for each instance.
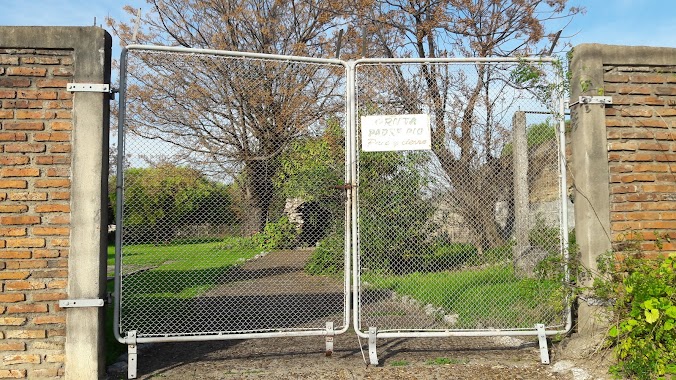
(92, 87)
(97, 302)
(593, 100)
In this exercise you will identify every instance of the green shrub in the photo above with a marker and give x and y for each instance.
(643, 331)
(447, 256)
(328, 257)
(281, 234)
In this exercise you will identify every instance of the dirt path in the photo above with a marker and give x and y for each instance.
(276, 287)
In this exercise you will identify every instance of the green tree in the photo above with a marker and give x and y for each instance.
(159, 201)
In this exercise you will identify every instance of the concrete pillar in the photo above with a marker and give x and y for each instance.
(521, 201)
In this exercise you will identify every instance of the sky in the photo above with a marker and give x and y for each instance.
(616, 22)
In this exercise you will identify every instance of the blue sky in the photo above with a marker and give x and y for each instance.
(619, 22)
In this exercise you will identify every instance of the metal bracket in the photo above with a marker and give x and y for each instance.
(92, 87)
(373, 353)
(132, 355)
(329, 338)
(593, 100)
(81, 303)
(542, 339)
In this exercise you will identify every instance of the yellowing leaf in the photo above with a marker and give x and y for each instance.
(651, 315)
(671, 311)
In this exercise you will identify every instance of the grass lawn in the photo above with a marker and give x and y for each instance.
(489, 297)
(160, 280)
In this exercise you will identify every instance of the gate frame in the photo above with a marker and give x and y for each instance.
(538, 330)
(351, 246)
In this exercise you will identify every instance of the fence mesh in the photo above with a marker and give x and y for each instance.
(233, 217)
(465, 235)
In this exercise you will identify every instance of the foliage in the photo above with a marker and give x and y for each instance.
(281, 234)
(643, 332)
(159, 201)
(328, 257)
(536, 135)
(448, 255)
(394, 212)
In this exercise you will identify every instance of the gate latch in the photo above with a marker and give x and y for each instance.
(81, 303)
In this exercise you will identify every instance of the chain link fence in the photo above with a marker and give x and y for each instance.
(231, 208)
(468, 234)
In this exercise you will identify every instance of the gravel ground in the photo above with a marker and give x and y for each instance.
(304, 357)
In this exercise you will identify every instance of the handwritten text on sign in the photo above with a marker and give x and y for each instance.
(380, 133)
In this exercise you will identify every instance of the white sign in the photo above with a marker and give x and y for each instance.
(381, 133)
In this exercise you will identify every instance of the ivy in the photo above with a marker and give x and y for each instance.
(643, 332)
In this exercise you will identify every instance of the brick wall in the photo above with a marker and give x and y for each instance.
(35, 142)
(641, 137)
(53, 186)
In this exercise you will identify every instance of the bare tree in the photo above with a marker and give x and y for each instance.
(231, 115)
(470, 123)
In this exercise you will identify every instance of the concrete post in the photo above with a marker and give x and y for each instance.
(91, 48)
(521, 201)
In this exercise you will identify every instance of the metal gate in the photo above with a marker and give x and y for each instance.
(252, 188)
(230, 197)
(466, 235)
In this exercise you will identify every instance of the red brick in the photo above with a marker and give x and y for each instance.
(12, 231)
(666, 111)
(24, 285)
(11, 297)
(659, 188)
(46, 372)
(616, 78)
(58, 172)
(56, 332)
(25, 148)
(37, 95)
(20, 172)
(6, 114)
(13, 136)
(26, 196)
(651, 78)
(48, 296)
(26, 334)
(40, 60)
(15, 82)
(24, 126)
(658, 206)
(48, 183)
(57, 284)
(62, 72)
(46, 320)
(27, 264)
(60, 242)
(660, 225)
(7, 94)
(55, 358)
(17, 220)
(54, 136)
(61, 125)
(13, 208)
(13, 184)
(26, 243)
(52, 83)
(27, 71)
(27, 308)
(12, 373)
(656, 146)
(21, 359)
(15, 254)
(45, 253)
(14, 160)
(12, 346)
(44, 231)
(50, 273)
(9, 60)
(655, 123)
(51, 160)
(20, 275)
(61, 195)
(636, 112)
(52, 208)
(60, 148)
